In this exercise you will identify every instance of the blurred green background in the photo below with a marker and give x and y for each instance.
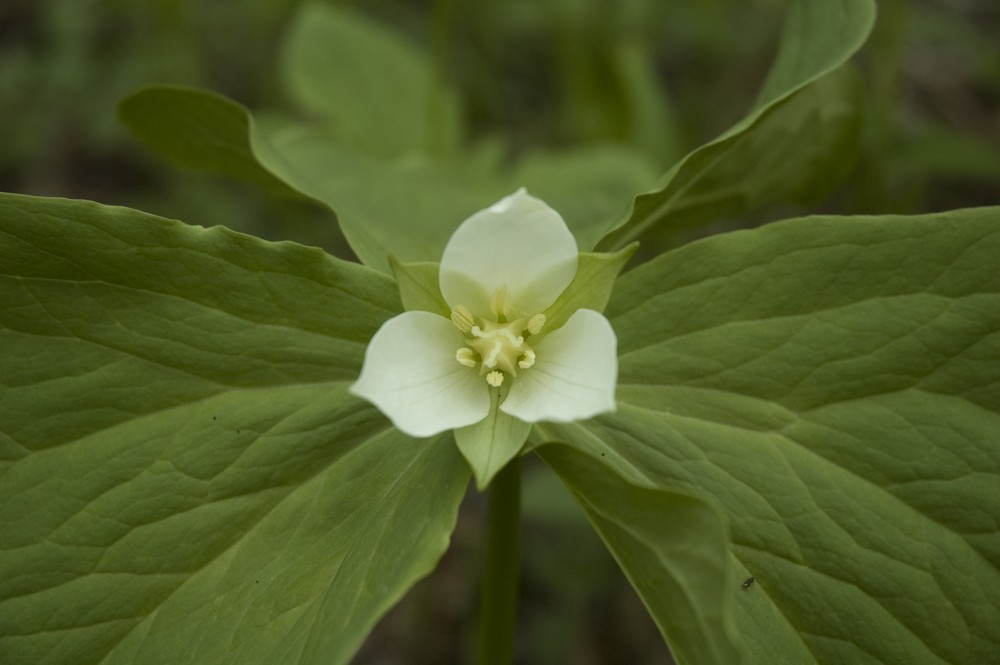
(661, 76)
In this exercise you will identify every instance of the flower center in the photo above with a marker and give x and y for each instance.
(497, 347)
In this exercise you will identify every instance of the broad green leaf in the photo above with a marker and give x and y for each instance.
(200, 130)
(591, 286)
(833, 384)
(590, 186)
(795, 123)
(377, 91)
(183, 475)
(796, 154)
(492, 442)
(816, 38)
(419, 287)
(673, 548)
(408, 208)
(405, 208)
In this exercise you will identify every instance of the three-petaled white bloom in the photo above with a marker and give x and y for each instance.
(502, 268)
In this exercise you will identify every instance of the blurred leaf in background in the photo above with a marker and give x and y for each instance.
(933, 130)
(65, 64)
(665, 77)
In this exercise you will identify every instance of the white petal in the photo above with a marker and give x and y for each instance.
(518, 242)
(411, 375)
(574, 375)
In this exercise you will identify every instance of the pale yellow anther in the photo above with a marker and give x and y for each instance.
(535, 323)
(465, 356)
(462, 318)
(498, 348)
(500, 302)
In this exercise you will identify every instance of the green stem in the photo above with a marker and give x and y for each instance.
(498, 614)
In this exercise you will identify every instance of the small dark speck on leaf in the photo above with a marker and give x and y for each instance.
(748, 582)
(237, 431)
(256, 581)
(214, 418)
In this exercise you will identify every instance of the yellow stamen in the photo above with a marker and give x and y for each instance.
(462, 318)
(535, 323)
(500, 302)
(464, 356)
(494, 378)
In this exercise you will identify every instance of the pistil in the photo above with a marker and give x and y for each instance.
(499, 348)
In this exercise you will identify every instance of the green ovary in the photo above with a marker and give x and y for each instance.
(498, 348)
(501, 346)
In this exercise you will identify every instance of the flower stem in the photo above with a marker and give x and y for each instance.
(498, 612)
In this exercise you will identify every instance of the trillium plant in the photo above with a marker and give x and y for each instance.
(220, 449)
(501, 271)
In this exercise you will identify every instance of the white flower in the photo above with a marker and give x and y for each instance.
(501, 269)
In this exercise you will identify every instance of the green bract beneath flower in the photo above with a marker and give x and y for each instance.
(501, 269)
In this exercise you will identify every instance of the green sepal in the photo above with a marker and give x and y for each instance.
(419, 287)
(591, 286)
(492, 442)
